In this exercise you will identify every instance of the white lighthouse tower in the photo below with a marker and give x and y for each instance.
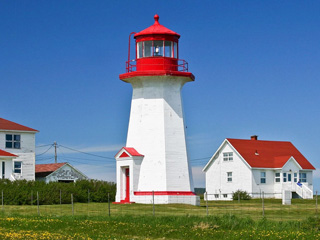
(154, 164)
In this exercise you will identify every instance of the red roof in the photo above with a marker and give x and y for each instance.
(156, 28)
(8, 125)
(268, 154)
(131, 151)
(42, 168)
(6, 154)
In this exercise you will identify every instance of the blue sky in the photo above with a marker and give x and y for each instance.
(256, 63)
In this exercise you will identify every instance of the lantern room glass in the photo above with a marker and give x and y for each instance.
(148, 49)
(157, 48)
(167, 48)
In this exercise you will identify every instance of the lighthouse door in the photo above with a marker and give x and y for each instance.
(127, 199)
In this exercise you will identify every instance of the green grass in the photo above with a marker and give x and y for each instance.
(148, 227)
(227, 220)
(273, 209)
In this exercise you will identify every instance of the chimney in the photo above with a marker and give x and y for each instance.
(254, 137)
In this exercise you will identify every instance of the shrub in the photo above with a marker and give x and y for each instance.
(243, 195)
(21, 192)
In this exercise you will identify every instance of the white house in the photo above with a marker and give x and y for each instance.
(258, 167)
(19, 141)
(58, 172)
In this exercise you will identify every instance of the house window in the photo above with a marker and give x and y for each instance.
(216, 195)
(262, 177)
(13, 141)
(295, 177)
(284, 177)
(277, 177)
(17, 167)
(225, 195)
(228, 156)
(303, 177)
(229, 176)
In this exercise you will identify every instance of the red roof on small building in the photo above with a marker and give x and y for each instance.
(6, 154)
(51, 167)
(8, 125)
(156, 28)
(268, 154)
(131, 151)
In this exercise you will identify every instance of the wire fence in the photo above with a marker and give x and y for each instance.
(69, 204)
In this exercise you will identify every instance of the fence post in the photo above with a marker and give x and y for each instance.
(31, 197)
(317, 202)
(60, 197)
(2, 200)
(72, 204)
(238, 197)
(153, 203)
(207, 210)
(109, 204)
(38, 203)
(262, 203)
(88, 196)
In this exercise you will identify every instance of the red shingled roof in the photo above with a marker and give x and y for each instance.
(131, 151)
(268, 154)
(8, 125)
(42, 168)
(156, 28)
(6, 154)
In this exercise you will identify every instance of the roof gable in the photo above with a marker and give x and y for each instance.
(46, 168)
(128, 152)
(6, 154)
(9, 125)
(268, 154)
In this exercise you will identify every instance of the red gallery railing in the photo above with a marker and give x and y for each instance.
(180, 66)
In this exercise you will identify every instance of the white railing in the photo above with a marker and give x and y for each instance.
(304, 191)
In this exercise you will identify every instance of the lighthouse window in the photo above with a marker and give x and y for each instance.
(140, 50)
(158, 48)
(175, 50)
(148, 49)
(167, 49)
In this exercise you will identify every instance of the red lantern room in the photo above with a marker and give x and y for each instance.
(157, 53)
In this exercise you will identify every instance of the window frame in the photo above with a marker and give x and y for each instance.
(302, 179)
(227, 156)
(263, 179)
(13, 141)
(229, 177)
(284, 177)
(15, 168)
(277, 177)
(295, 177)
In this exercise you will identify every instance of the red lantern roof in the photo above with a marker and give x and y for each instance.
(156, 28)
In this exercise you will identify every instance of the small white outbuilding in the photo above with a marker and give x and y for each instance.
(258, 167)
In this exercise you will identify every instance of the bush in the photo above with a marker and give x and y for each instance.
(243, 195)
(22, 192)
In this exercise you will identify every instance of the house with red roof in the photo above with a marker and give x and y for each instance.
(58, 172)
(258, 167)
(17, 151)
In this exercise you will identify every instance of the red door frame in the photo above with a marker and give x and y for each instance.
(127, 199)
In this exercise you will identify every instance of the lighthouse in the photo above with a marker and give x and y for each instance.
(154, 165)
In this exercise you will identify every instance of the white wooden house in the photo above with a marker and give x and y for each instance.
(258, 167)
(58, 172)
(19, 141)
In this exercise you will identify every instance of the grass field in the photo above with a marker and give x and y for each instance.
(227, 219)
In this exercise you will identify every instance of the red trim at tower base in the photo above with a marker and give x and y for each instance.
(161, 193)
